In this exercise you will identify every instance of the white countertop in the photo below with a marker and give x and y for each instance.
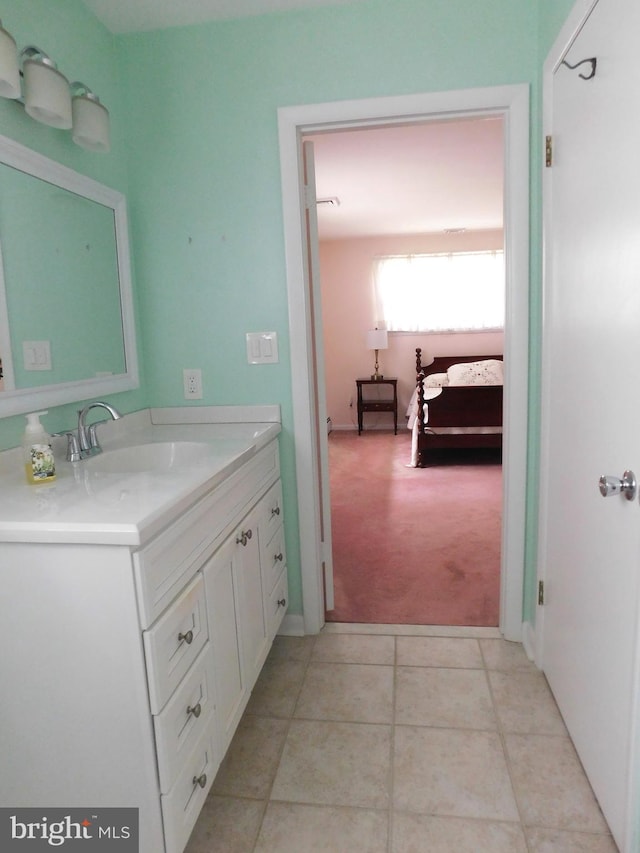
(88, 503)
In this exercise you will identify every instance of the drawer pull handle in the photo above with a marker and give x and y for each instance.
(278, 557)
(282, 602)
(196, 710)
(200, 780)
(188, 637)
(275, 511)
(244, 537)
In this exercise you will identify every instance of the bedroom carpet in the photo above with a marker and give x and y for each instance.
(414, 546)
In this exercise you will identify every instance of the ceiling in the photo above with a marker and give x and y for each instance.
(414, 179)
(127, 16)
(422, 178)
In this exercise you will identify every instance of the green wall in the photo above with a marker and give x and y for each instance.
(194, 115)
(553, 14)
(205, 178)
(83, 50)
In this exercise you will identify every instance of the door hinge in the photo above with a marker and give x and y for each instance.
(540, 592)
(548, 151)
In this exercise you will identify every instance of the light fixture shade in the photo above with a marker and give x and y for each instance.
(377, 339)
(90, 123)
(9, 68)
(46, 93)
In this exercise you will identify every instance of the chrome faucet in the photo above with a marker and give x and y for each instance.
(88, 435)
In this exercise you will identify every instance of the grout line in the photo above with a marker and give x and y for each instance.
(451, 631)
(392, 747)
(502, 736)
(290, 719)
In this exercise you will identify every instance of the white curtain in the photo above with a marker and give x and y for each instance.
(441, 293)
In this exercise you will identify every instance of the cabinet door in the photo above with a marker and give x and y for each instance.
(223, 610)
(254, 635)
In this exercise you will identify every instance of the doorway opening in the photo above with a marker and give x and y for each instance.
(512, 102)
(415, 192)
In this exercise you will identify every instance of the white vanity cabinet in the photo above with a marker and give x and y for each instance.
(125, 669)
(273, 558)
(244, 614)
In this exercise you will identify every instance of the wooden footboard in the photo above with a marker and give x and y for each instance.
(468, 416)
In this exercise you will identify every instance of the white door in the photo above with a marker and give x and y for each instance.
(223, 605)
(319, 401)
(590, 546)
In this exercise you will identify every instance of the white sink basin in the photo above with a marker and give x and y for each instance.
(155, 456)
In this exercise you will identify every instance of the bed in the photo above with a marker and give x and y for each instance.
(457, 404)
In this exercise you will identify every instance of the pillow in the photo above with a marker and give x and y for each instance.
(436, 380)
(486, 372)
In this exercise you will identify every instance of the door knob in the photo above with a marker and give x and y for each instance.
(614, 486)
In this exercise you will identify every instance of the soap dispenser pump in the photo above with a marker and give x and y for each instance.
(39, 463)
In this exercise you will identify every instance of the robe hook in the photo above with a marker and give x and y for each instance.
(592, 61)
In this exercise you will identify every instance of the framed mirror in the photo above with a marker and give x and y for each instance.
(67, 330)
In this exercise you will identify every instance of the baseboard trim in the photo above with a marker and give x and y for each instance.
(529, 641)
(368, 428)
(292, 625)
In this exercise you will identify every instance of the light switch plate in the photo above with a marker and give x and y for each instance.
(37, 355)
(262, 347)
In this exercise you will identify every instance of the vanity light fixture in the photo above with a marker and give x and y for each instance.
(46, 90)
(48, 97)
(90, 119)
(9, 68)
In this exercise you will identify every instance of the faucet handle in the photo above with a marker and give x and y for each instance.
(73, 447)
(94, 444)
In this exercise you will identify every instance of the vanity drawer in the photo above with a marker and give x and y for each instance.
(174, 641)
(277, 605)
(272, 512)
(274, 559)
(185, 716)
(181, 806)
(167, 563)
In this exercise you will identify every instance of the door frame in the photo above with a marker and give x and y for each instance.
(512, 102)
(572, 26)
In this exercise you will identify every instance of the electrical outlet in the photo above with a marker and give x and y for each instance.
(192, 379)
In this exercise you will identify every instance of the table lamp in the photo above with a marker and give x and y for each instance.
(377, 340)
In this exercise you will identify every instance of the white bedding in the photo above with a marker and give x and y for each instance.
(412, 419)
(484, 372)
(412, 408)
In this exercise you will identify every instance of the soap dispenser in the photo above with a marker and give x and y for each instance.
(39, 463)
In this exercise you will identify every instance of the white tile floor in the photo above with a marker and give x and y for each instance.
(362, 741)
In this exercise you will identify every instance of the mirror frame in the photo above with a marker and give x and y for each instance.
(19, 401)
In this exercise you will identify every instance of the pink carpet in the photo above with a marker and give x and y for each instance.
(413, 545)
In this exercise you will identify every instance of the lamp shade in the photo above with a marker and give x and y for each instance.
(46, 93)
(90, 123)
(9, 68)
(377, 339)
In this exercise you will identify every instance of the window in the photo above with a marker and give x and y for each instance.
(459, 292)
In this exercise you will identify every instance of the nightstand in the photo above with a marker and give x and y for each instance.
(377, 404)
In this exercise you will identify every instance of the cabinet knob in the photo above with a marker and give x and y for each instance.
(196, 710)
(275, 511)
(278, 557)
(244, 537)
(282, 602)
(188, 637)
(200, 780)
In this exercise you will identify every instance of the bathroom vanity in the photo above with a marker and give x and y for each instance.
(140, 595)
